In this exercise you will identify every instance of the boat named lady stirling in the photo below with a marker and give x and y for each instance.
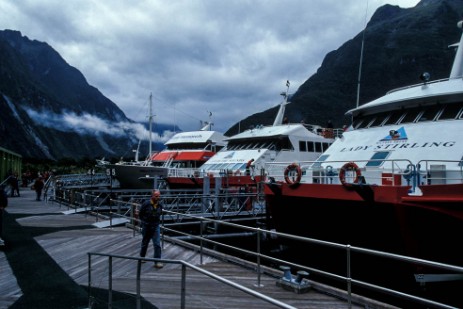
(281, 141)
(393, 182)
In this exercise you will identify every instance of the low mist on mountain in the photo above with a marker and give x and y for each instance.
(49, 111)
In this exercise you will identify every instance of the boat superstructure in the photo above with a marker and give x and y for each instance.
(188, 149)
(392, 182)
(282, 141)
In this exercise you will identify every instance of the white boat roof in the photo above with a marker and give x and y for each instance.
(431, 139)
(273, 131)
(446, 91)
(197, 137)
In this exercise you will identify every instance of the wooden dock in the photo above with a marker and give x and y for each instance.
(46, 245)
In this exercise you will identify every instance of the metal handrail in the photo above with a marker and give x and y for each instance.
(348, 249)
(183, 281)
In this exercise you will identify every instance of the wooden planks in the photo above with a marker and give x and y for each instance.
(74, 236)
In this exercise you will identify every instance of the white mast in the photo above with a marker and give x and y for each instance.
(457, 68)
(281, 111)
(150, 123)
(361, 57)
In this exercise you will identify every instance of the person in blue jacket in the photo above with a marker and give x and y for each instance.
(150, 217)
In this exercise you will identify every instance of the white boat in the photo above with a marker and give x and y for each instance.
(183, 150)
(393, 182)
(282, 141)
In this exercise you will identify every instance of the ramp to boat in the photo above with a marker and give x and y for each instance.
(112, 222)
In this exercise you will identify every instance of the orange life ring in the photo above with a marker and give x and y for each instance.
(291, 179)
(349, 166)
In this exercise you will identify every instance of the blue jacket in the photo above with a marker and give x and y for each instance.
(149, 214)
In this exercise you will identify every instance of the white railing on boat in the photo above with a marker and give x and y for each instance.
(387, 172)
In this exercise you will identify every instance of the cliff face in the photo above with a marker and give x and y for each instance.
(399, 45)
(41, 96)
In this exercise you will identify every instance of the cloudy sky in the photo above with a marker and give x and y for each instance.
(228, 57)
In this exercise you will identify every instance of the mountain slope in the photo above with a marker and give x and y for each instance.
(50, 111)
(399, 45)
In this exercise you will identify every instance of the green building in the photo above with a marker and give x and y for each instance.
(10, 162)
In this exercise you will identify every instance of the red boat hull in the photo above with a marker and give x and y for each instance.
(384, 218)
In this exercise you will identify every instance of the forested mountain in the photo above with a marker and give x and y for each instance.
(49, 110)
(39, 90)
(399, 45)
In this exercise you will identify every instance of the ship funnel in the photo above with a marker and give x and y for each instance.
(457, 68)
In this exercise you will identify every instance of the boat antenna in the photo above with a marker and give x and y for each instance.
(209, 124)
(150, 123)
(361, 57)
(281, 110)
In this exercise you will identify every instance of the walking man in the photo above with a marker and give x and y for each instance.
(150, 216)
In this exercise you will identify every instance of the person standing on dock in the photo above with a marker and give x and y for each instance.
(3, 205)
(38, 187)
(14, 181)
(150, 216)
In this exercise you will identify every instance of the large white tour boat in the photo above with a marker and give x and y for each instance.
(393, 182)
(242, 162)
(189, 149)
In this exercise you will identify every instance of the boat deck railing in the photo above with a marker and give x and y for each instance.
(378, 172)
(107, 204)
(182, 287)
(345, 254)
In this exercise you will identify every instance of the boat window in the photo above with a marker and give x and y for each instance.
(303, 146)
(429, 114)
(365, 122)
(284, 143)
(215, 166)
(318, 147)
(235, 166)
(451, 111)
(326, 146)
(319, 161)
(379, 119)
(220, 166)
(310, 147)
(411, 115)
(394, 117)
(378, 158)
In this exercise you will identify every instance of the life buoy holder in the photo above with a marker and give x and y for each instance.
(290, 178)
(349, 166)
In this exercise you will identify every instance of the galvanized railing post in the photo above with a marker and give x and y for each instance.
(349, 279)
(201, 225)
(258, 258)
(89, 280)
(110, 282)
(183, 287)
(138, 284)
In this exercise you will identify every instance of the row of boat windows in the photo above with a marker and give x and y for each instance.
(197, 146)
(410, 115)
(310, 146)
(224, 166)
(274, 144)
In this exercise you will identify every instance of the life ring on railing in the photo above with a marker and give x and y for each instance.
(290, 178)
(349, 166)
